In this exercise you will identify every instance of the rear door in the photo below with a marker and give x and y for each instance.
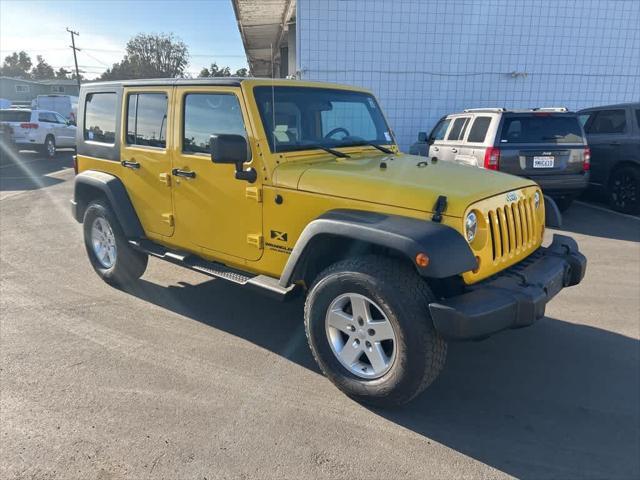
(475, 143)
(146, 156)
(608, 133)
(453, 143)
(541, 143)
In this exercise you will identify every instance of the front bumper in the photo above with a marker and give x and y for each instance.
(515, 298)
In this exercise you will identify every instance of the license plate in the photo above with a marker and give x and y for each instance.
(543, 162)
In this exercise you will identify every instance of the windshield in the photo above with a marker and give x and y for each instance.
(304, 118)
(541, 129)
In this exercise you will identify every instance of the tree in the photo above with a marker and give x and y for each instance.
(17, 65)
(215, 71)
(62, 73)
(42, 70)
(149, 56)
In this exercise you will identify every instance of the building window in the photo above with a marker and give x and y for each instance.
(22, 88)
(100, 118)
(147, 119)
(57, 88)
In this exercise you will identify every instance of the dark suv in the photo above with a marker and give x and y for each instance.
(613, 133)
(546, 145)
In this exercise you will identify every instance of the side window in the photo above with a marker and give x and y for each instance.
(47, 117)
(440, 129)
(479, 129)
(583, 118)
(456, 130)
(206, 114)
(608, 121)
(147, 119)
(60, 118)
(100, 117)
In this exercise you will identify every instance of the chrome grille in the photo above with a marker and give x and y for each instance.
(512, 228)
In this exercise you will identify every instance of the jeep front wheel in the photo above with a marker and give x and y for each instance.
(111, 256)
(369, 329)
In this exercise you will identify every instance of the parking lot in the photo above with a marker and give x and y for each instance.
(182, 376)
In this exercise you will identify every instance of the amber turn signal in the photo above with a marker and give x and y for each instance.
(422, 260)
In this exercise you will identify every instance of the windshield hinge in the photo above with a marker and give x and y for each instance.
(439, 208)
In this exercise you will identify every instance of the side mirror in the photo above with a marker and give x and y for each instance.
(422, 137)
(71, 123)
(232, 149)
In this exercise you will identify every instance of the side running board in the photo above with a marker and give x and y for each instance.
(263, 283)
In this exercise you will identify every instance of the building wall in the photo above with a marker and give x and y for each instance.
(424, 59)
(8, 89)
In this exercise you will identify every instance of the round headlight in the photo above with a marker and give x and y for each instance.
(536, 200)
(471, 226)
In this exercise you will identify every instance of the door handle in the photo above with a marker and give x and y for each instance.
(183, 173)
(436, 149)
(454, 150)
(130, 164)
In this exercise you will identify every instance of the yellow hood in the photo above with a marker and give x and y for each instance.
(408, 181)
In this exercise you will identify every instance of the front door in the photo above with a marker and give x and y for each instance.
(606, 132)
(146, 157)
(214, 211)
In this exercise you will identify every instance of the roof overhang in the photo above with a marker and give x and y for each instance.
(263, 25)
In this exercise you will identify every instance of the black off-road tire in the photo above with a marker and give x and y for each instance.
(624, 190)
(403, 296)
(129, 264)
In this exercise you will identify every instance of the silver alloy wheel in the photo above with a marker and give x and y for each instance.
(360, 335)
(104, 242)
(51, 147)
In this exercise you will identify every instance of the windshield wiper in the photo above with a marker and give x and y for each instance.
(359, 143)
(328, 150)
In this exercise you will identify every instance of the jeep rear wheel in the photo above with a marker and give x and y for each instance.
(369, 329)
(111, 256)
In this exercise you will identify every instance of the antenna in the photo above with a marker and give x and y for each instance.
(273, 104)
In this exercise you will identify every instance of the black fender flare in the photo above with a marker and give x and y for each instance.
(87, 182)
(449, 253)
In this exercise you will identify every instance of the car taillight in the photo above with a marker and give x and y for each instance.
(586, 165)
(29, 125)
(492, 158)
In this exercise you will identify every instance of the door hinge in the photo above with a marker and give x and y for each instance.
(255, 239)
(168, 218)
(254, 193)
(165, 178)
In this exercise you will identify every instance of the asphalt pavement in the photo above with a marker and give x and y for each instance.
(182, 376)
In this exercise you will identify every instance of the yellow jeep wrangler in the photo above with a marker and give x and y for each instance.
(289, 186)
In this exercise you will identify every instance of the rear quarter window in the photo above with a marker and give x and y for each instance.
(479, 129)
(100, 117)
(541, 129)
(14, 116)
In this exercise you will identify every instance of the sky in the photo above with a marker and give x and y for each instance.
(208, 27)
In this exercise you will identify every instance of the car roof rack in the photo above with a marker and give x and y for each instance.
(469, 110)
(550, 109)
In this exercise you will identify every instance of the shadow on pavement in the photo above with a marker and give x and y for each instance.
(595, 222)
(555, 400)
(27, 170)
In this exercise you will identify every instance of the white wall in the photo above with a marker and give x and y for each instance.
(424, 59)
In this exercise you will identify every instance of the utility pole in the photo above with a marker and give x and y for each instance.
(75, 56)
